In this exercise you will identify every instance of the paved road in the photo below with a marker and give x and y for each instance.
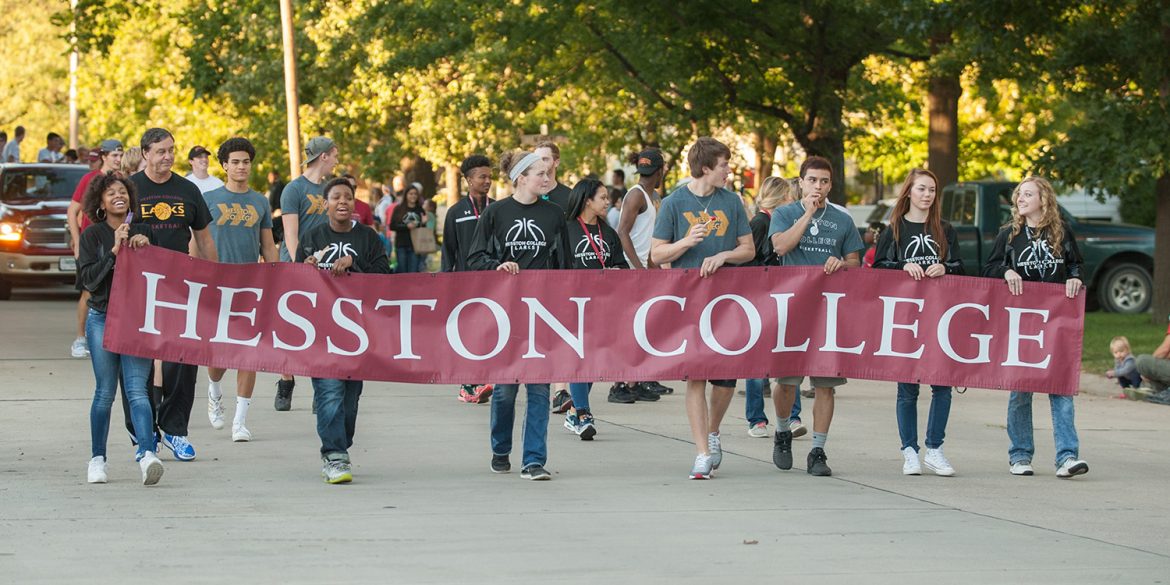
(425, 509)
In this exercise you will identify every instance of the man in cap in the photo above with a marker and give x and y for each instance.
(302, 208)
(110, 155)
(199, 158)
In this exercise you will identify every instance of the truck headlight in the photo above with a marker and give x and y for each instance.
(11, 231)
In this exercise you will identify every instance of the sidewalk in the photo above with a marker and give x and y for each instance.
(424, 507)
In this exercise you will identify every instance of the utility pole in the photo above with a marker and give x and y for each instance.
(292, 105)
(73, 123)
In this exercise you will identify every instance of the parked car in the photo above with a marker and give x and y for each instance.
(34, 236)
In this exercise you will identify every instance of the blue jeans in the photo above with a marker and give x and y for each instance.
(409, 262)
(1019, 427)
(936, 422)
(754, 409)
(535, 424)
(107, 368)
(580, 393)
(337, 410)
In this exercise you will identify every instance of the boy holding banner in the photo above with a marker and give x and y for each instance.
(703, 225)
(812, 232)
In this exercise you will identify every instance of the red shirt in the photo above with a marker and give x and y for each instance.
(80, 192)
(365, 214)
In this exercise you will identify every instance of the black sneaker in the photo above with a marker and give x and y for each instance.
(644, 393)
(500, 464)
(782, 449)
(620, 393)
(1162, 397)
(562, 402)
(658, 388)
(816, 463)
(284, 390)
(535, 473)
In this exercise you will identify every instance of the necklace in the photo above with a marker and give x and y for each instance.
(815, 229)
(700, 202)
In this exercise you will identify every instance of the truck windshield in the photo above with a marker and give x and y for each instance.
(28, 185)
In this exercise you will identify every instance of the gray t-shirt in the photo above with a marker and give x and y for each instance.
(683, 209)
(303, 198)
(236, 221)
(831, 232)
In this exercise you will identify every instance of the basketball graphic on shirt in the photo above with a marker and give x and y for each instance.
(335, 252)
(584, 250)
(921, 247)
(162, 210)
(524, 236)
(1038, 260)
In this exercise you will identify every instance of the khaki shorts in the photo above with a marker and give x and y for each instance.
(817, 381)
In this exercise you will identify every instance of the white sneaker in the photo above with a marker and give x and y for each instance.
(152, 468)
(715, 448)
(79, 349)
(215, 412)
(798, 429)
(97, 470)
(937, 462)
(910, 465)
(702, 468)
(1022, 468)
(241, 434)
(1072, 467)
(759, 431)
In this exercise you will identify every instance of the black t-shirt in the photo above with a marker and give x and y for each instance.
(509, 231)
(459, 231)
(916, 246)
(95, 262)
(360, 242)
(765, 254)
(560, 196)
(578, 253)
(171, 210)
(398, 220)
(1033, 258)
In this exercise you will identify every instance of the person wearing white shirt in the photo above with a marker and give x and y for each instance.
(199, 158)
(51, 153)
(12, 149)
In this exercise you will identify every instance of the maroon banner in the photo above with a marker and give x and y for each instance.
(591, 326)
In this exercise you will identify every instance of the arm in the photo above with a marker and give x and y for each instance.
(1163, 351)
(376, 254)
(1072, 254)
(206, 245)
(268, 246)
(663, 251)
(73, 217)
(997, 262)
(744, 251)
(481, 255)
(953, 263)
(397, 219)
(787, 240)
(450, 242)
(292, 233)
(93, 267)
(631, 208)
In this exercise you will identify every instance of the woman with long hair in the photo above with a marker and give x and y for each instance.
(407, 217)
(108, 202)
(920, 243)
(1038, 246)
(589, 243)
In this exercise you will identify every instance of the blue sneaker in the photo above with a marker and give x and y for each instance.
(585, 428)
(571, 421)
(180, 446)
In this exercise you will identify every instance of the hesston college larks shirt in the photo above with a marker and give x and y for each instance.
(509, 231)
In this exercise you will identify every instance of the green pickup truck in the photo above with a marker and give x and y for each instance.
(1119, 258)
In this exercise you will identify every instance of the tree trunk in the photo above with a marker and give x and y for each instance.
(1162, 241)
(454, 188)
(765, 145)
(942, 102)
(416, 169)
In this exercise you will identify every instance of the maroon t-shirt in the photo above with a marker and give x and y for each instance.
(80, 192)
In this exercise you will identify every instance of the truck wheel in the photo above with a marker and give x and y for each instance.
(5, 290)
(1126, 288)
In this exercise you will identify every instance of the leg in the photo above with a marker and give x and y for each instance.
(215, 374)
(353, 393)
(105, 373)
(580, 393)
(82, 312)
(783, 399)
(503, 417)
(178, 397)
(754, 403)
(245, 383)
(1156, 370)
(329, 394)
(907, 410)
(1019, 427)
(720, 401)
(697, 413)
(536, 426)
(1064, 428)
(136, 373)
(940, 411)
(823, 410)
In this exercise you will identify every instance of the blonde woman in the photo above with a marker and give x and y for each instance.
(1037, 246)
(132, 161)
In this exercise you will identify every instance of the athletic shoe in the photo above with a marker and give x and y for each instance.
(1022, 468)
(562, 402)
(571, 421)
(215, 412)
(79, 350)
(643, 393)
(758, 430)
(180, 446)
(482, 394)
(816, 463)
(152, 468)
(336, 471)
(715, 448)
(937, 462)
(1160, 397)
(241, 434)
(620, 393)
(284, 392)
(1072, 467)
(798, 429)
(467, 393)
(535, 473)
(782, 449)
(97, 470)
(702, 468)
(910, 464)
(500, 464)
(585, 428)
(658, 388)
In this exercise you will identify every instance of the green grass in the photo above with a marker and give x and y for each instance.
(1101, 327)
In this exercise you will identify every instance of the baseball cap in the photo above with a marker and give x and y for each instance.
(197, 152)
(317, 147)
(110, 145)
(649, 161)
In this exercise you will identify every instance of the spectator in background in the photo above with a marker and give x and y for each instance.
(132, 161)
(275, 188)
(3, 141)
(406, 217)
(1124, 365)
(361, 209)
(872, 235)
(618, 189)
(550, 153)
(1156, 370)
(199, 157)
(51, 153)
(71, 157)
(12, 148)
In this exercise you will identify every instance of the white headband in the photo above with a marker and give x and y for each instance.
(528, 160)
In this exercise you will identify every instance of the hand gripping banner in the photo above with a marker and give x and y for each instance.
(592, 326)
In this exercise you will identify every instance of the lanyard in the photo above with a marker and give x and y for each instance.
(475, 209)
(592, 244)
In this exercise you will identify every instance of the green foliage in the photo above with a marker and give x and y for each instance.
(34, 76)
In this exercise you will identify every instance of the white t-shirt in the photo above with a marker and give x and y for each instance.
(45, 154)
(209, 184)
(12, 149)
